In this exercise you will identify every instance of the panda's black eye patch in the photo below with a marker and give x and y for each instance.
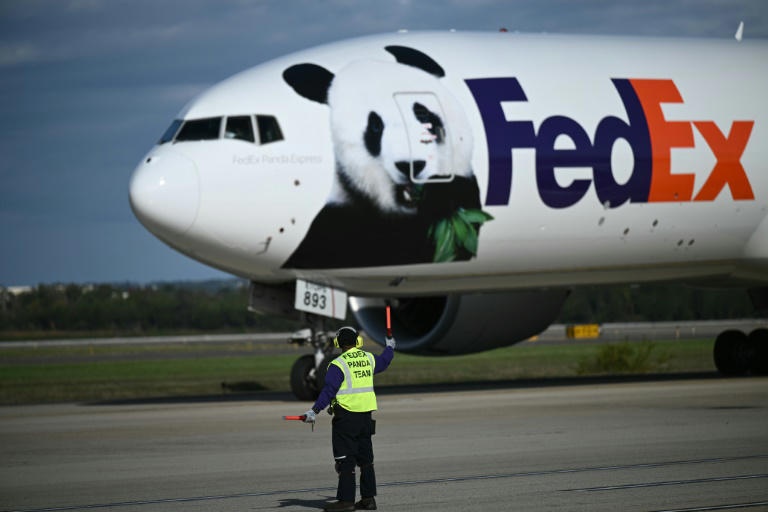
(372, 135)
(426, 116)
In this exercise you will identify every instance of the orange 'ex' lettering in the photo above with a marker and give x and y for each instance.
(728, 168)
(665, 135)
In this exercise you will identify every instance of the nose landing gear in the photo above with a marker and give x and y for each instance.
(308, 372)
(736, 353)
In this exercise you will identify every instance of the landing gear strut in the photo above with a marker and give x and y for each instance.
(738, 354)
(308, 372)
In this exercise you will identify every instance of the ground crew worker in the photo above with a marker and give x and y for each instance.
(349, 389)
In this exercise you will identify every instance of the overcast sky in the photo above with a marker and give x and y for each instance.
(88, 86)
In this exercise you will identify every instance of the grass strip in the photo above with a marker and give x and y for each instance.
(30, 382)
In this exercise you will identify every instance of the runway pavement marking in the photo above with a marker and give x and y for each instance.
(404, 483)
(716, 507)
(670, 482)
(274, 337)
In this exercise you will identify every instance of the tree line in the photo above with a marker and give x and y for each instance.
(133, 309)
(654, 303)
(222, 306)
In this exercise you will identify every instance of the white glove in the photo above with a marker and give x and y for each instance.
(390, 342)
(310, 416)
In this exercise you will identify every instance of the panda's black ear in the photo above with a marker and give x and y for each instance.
(309, 80)
(417, 59)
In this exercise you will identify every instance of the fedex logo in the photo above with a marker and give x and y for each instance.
(650, 136)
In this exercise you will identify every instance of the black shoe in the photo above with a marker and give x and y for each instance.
(366, 504)
(340, 506)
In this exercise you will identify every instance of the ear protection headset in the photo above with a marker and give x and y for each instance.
(358, 340)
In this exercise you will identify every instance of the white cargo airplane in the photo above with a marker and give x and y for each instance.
(472, 179)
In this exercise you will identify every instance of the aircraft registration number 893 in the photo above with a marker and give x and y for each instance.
(320, 299)
(314, 300)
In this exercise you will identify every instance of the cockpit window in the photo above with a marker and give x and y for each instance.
(236, 127)
(171, 131)
(269, 129)
(200, 129)
(239, 127)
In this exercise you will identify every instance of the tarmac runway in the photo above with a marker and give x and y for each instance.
(671, 445)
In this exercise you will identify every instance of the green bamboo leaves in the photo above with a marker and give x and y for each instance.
(444, 239)
(457, 235)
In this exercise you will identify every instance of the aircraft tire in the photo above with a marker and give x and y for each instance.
(320, 374)
(732, 353)
(301, 385)
(758, 339)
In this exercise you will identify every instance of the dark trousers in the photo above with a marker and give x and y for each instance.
(352, 447)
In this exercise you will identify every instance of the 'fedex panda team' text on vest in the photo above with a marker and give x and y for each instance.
(356, 392)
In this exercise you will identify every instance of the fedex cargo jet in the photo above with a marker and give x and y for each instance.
(470, 180)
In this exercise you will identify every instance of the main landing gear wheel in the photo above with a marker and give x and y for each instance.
(308, 372)
(759, 341)
(320, 374)
(734, 353)
(302, 384)
(306, 380)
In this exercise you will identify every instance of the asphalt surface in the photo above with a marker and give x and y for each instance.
(267, 338)
(672, 445)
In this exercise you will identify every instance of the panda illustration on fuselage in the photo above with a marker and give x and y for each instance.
(403, 163)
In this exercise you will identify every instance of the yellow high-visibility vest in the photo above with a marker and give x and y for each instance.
(356, 391)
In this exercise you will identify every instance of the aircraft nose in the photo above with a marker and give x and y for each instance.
(165, 193)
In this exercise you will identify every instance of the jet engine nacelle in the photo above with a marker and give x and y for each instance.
(460, 324)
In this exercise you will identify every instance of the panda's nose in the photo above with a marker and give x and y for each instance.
(405, 167)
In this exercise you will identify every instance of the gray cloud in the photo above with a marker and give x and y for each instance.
(17, 53)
